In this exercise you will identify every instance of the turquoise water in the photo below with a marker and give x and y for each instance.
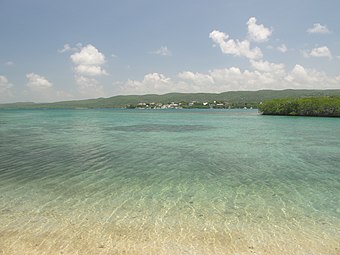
(168, 182)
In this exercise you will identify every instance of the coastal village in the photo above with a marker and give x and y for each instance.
(190, 105)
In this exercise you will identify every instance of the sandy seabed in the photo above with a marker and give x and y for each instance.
(45, 235)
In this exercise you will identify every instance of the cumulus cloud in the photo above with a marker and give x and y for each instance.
(282, 48)
(88, 55)
(321, 52)
(37, 82)
(5, 88)
(257, 33)
(89, 87)
(163, 51)
(4, 83)
(309, 78)
(234, 79)
(299, 73)
(265, 75)
(235, 47)
(89, 70)
(151, 83)
(42, 90)
(197, 78)
(88, 61)
(228, 79)
(318, 29)
(265, 66)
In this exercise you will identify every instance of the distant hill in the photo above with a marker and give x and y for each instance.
(235, 98)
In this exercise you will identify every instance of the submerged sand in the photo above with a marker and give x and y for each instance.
(147, 232)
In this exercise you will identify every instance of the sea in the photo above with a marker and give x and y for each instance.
(119, 181)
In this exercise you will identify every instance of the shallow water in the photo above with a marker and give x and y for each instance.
(168, 182)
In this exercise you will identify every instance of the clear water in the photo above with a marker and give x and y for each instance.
(168, 182)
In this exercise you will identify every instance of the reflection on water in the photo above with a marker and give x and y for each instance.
(109, 182)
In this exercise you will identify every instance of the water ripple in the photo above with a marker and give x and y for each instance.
(109, 182)
(162, 128)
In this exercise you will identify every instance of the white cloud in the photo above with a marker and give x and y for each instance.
(88, 64)
(42, 90)
(282, 48)
(4, 83)
(236, 48)
(89, 87)
(88, 55)
(233, 79)
(197, 78)
(66, 48)
(265, 66)
(309, 78)
(37, 82)
(265, 75)
(89, 70)
(89, 61)
(5, 88)
(318, 29)
(163, 51)
(151, 83)
(321, 52)
(299, 73)
(258, 33)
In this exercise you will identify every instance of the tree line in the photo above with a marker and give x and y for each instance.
(314, 106)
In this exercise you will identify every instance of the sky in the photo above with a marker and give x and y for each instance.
(66, 50)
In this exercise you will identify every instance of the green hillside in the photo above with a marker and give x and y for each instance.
(233, 98)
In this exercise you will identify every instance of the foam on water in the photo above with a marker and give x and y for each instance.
(168, 182)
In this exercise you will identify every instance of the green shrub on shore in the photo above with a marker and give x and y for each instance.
(314, 106)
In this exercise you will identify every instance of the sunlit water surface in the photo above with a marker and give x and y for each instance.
(168, 182)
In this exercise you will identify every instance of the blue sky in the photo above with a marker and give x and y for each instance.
(62, 50)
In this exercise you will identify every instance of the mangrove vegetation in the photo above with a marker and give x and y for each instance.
(313, 106)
